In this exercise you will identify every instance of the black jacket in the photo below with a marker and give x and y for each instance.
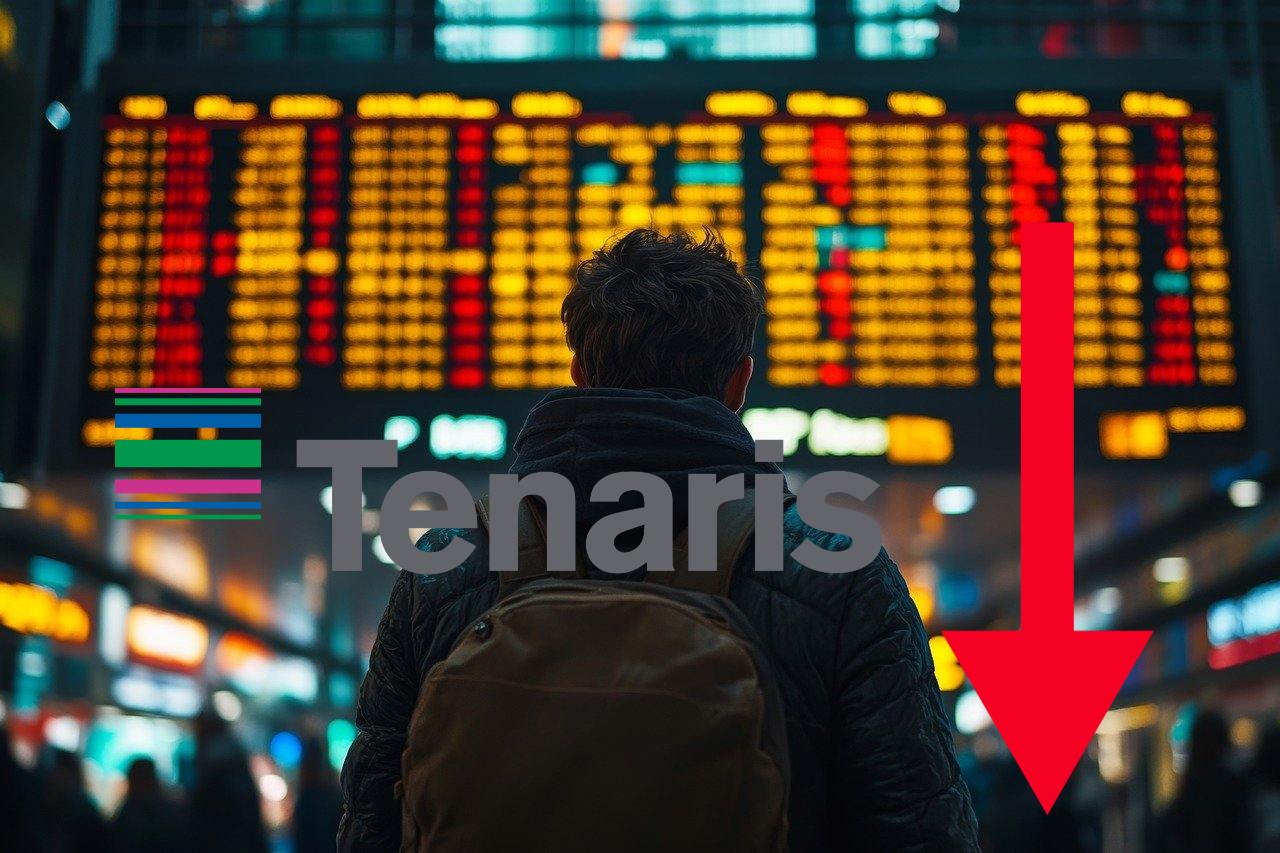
(871, 756)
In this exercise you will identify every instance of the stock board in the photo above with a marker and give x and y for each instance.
(364, 255)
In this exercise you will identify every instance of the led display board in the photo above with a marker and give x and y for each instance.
(362, 255)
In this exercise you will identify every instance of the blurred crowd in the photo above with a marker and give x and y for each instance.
(1226, 802)
(49, 810)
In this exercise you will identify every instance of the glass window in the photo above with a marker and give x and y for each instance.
(343, 42)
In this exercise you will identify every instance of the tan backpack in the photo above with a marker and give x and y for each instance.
(600, 715)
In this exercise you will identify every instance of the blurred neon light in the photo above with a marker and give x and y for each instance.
(166, 638)
(1245, 628)
(38, 611)
(468, 437)
(402, 429)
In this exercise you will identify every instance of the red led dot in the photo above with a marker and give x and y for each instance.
(835, 282)
(468, 309)
(466, 377)
(833, 374)
(1175, 258)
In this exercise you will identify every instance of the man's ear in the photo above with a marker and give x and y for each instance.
(735, 393)
(576, 373)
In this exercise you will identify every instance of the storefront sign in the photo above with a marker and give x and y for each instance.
(39, 611)
(1245, 628)
(158, 636)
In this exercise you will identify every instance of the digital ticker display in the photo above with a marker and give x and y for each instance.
(365, 256)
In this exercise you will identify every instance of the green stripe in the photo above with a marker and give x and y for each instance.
(199, 516)
(188, 401)
(189, 453)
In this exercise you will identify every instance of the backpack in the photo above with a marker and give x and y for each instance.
(601, 715)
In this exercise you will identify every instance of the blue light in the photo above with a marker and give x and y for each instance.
(600, 174)
(709, 173)
(57, 115)
(286, 749)
(957, 593)
(467, 437)
(1168, 281)
(855, 237)
(954, 500)
(402, 429)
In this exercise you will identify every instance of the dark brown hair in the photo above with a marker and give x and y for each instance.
(654, 311)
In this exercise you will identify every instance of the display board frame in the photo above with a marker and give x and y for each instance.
(983, 420)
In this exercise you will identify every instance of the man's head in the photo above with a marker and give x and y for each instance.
(651, 311)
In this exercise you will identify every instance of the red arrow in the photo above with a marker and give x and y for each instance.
(1046, 685)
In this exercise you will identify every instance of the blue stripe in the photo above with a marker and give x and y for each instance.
(188, 504)
(164, 420)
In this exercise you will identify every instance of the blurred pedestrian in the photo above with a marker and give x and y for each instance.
(1011, 819)
(1209, 813)
(1265, 816)
(17, 797)
(69, 820)
(319, 803)
(225, 811)
(148, 820)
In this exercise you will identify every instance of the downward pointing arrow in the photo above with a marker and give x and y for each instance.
(1046, 685)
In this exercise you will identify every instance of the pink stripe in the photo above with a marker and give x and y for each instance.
(188, 390)
(190, 487)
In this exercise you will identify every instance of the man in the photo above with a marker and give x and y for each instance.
(661, 329)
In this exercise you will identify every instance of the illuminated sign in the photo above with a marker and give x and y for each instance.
(8, 33)
(221, 107)
(971, 714)
(430, 105)
(157, 692)
(545, 105)
(39, 611)
(402, 429)
(1145, 435)
(243, 661)
(1051, 104)
(822, 104)
(249, 665)
(906, 439)
(467, 437)
(740, 104)
(829, 433)
(1154, 104)
(399, 242)
(1245, 628)
(161, 637)
(174, 557)
(945, 665)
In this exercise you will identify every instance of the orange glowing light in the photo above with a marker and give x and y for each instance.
(167, 638)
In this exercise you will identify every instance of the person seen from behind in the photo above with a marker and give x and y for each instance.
(1265, 801)
(70, 821)
(662, 330)
(148, 821)
(1209, 814)
(319, 802)
(17, 796)
(224, 809)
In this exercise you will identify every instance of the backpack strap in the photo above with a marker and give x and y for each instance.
(531, 553)
(734, 526)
